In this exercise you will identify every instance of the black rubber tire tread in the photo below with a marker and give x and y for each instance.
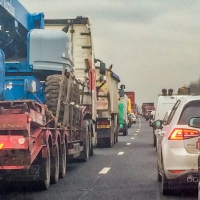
(159, 177)
(63, 160)
(55, 164)
(84, 155)
(165, 186)
(125, 132)
(50, 87)
(52, 93)
(44, 184)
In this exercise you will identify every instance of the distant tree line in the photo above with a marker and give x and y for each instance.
(195, 87)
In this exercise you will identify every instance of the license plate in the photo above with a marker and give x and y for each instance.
(103, 126)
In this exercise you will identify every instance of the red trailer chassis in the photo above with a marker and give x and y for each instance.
(28, 143)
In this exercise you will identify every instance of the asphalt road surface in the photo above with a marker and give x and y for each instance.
(127, 171)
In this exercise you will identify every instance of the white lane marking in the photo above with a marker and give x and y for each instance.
(138, 129)
(135, 134)
(104, 170)
(128, 143)
(132, 138)
(120, 153)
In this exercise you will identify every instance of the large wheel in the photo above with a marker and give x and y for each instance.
(116, 137)
(159, 177)
(91, 150)
(117, 133)
(45, 165)
(53, 84)
(84, 155)
(199, 191)
(109, 142)
(154, 140)
(125, 131)
(55, 164)
(63, 160)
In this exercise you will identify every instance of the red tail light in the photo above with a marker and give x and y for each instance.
(106, 122)
(176, 171)
(182, 134)
(1, 145)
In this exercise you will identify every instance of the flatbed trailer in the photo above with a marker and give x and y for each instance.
(45, 118)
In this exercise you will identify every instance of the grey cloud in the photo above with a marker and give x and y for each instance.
(152, 44)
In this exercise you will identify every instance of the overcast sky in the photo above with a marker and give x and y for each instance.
(152, 44)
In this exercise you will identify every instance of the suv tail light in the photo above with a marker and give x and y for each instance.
(176, 171)
(182, 134)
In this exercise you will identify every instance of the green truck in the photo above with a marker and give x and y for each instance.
(123, 115)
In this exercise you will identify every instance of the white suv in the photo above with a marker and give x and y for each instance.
(179, 146)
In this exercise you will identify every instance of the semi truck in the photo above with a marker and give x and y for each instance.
(82, 50)
(46, 105)
(131, 96)
(123, 115)
(146, 107)
(107, 109)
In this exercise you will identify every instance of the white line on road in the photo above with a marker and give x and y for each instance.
(135, 134)
(128, 143)
(138, 129)
(120, 153)
(104, 170)
(132, 138)
(139, 122)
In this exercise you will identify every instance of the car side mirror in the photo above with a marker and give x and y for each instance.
(121, 93)
(157, 124)
(102, 68)
(194, 122)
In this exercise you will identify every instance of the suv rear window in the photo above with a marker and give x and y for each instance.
(192, 109)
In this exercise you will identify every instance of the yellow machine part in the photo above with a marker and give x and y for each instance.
(129, 106)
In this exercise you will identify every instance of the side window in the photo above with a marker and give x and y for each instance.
(173, 112)
(166, 117)
(192, 109)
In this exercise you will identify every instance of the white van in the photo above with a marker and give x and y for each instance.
(164, 104)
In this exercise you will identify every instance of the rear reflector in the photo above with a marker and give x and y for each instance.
(182, 134)
(176, 171)
(106, 122)
(1, 145)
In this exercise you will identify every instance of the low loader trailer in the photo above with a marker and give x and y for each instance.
(46, 107)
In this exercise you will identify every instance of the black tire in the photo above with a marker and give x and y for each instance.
(109, 142)
(53, 84)
(91, 150)
(45, 165)
(117, 137)
(159, 177)
(125, 132)
(63, 160)
(154, 140)
(55, 165)
(84, 155)
(116, 134)
(165, 186)
(199, 191)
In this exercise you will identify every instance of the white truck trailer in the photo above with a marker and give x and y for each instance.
(107, 109)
